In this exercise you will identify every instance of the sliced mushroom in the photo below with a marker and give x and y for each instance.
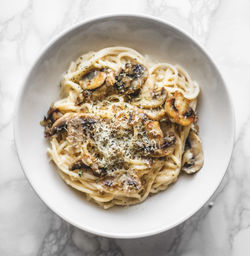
(151, 97)
(155, 114)
(54, 114)
(153, 131)
(93, 80)
(73, 123)
(163, 141)
(179, 110)
(169, 139)
(98, 93)
(192, 159)
(130, 79)
(167, 147)
(48, 121)
(80, 129)
(60, 124)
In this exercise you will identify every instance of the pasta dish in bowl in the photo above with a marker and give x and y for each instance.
(122, 97)
(125, 127)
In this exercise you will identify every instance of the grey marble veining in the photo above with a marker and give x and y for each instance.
(221, 227)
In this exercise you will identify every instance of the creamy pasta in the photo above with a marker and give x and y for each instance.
(124, 128)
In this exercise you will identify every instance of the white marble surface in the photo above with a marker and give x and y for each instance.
(28, 227)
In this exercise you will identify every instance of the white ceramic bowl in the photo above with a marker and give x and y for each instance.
(166, 43)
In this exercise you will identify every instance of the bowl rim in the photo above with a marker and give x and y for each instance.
(24, 85)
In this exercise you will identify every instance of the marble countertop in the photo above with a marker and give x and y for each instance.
(221, 227)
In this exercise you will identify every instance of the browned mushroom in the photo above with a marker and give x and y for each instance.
(164, 141)
(167, 147)
(131, 79)
(54, 114)
(93, 80)
(48, 121)
(178, 109)
(155, 114)
(103, 89)
(73, 123)
(154, 131)
(151, 97)
(60, 124)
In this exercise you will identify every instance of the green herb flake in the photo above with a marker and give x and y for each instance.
(80, 173)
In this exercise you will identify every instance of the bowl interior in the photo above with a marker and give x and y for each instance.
(164, 43)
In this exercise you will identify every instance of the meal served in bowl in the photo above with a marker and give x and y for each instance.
(125, 126)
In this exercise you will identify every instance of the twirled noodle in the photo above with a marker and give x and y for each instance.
(121, 128)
